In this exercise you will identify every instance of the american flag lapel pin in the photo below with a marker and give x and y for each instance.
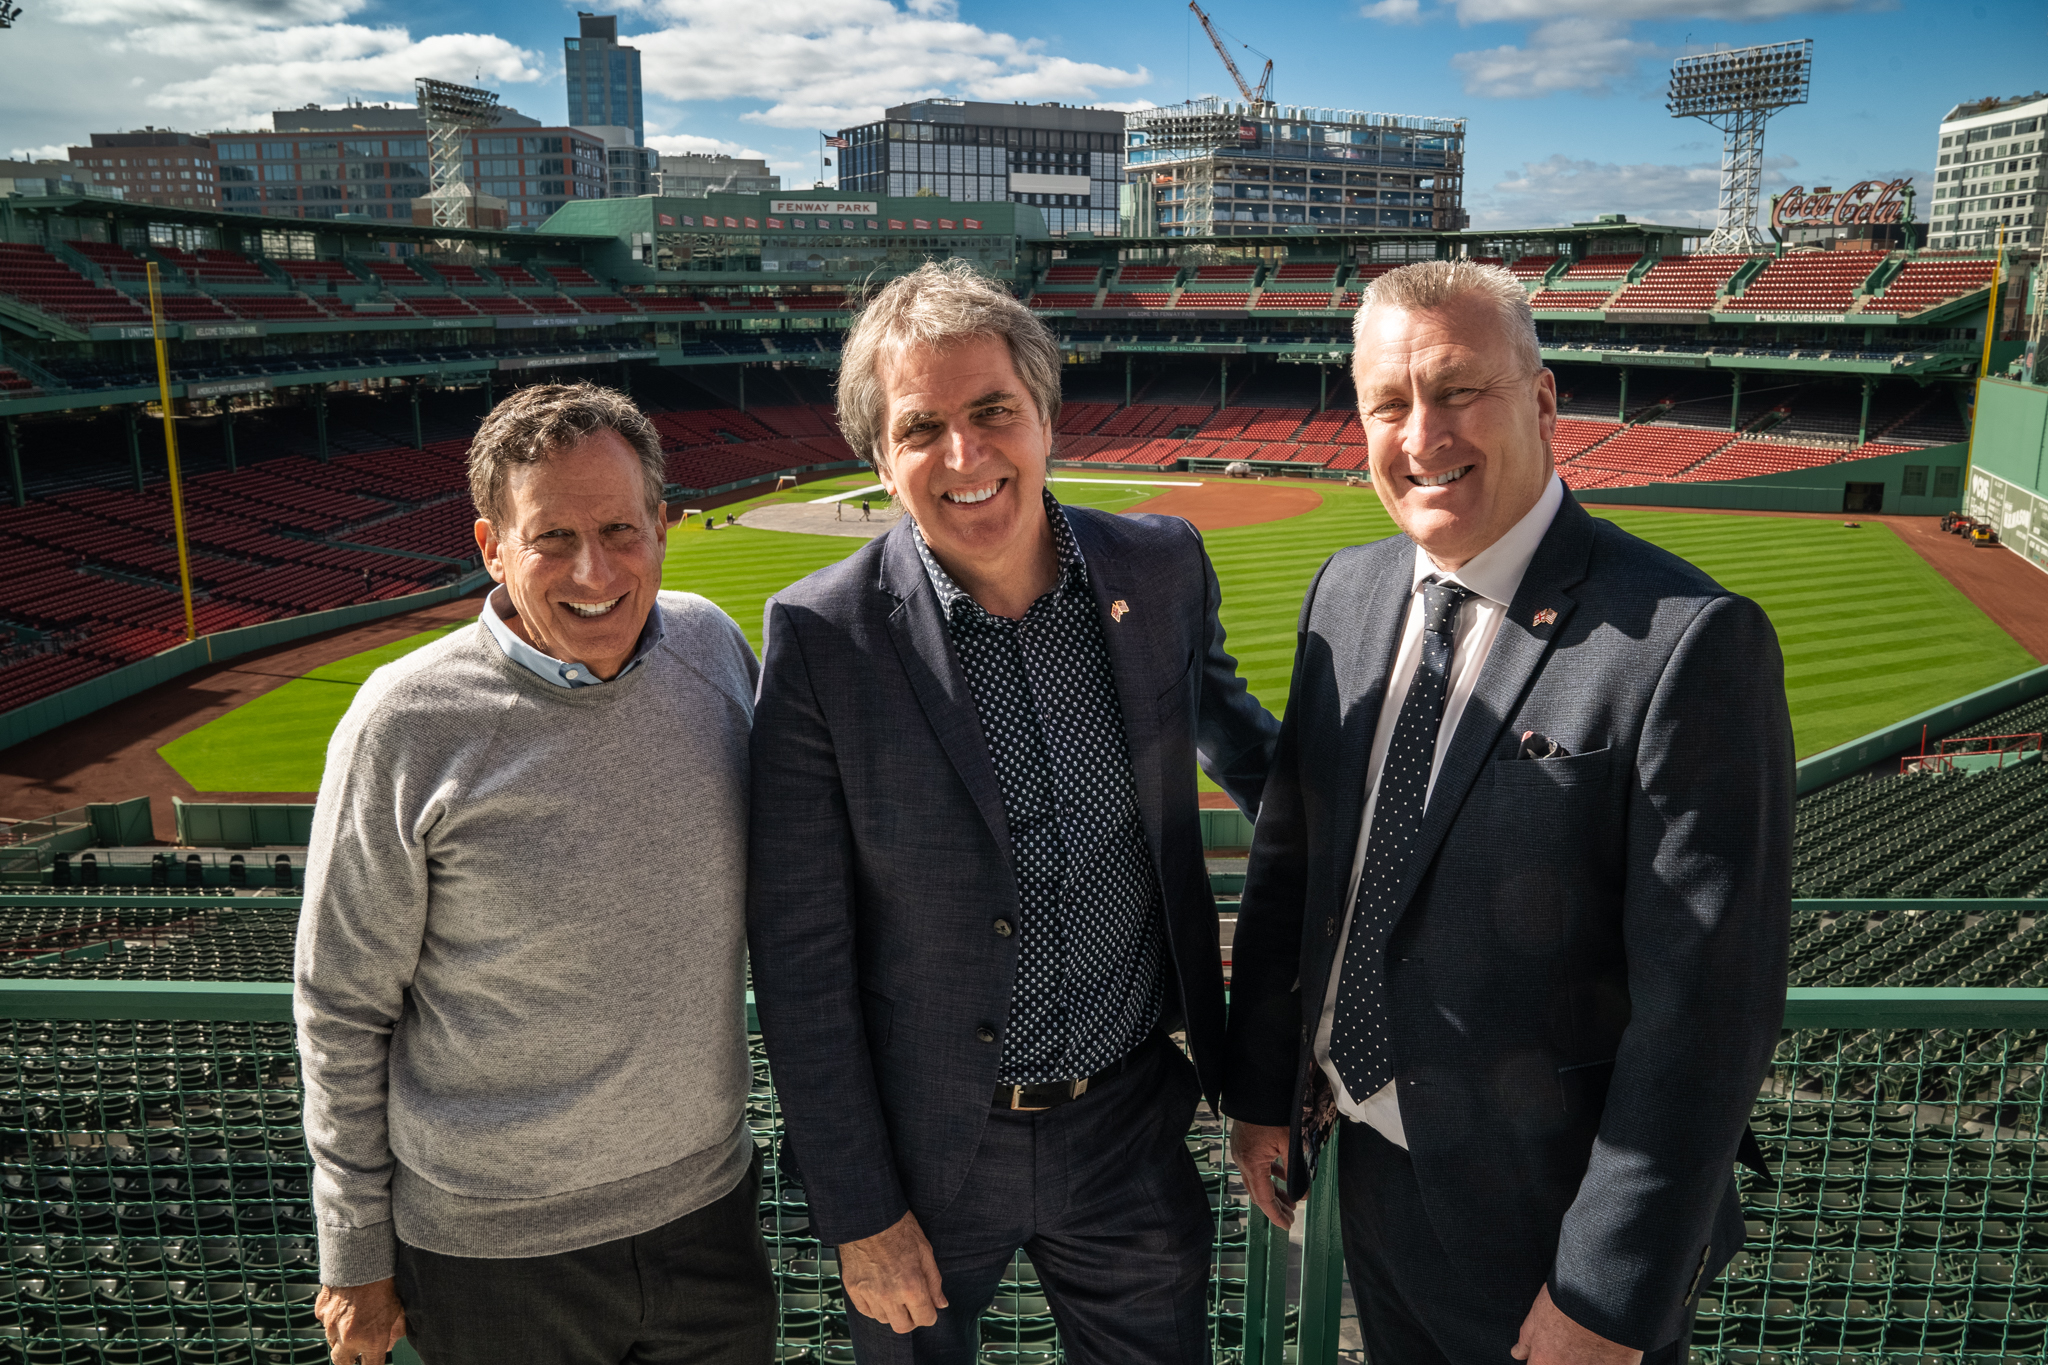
(1117, 610)
(1546, 617)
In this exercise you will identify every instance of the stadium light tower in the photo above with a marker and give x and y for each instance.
(1736, 91)
(450, 111)
(8, 14)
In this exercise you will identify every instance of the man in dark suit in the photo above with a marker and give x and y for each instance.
(977, 900)
(1515, 919)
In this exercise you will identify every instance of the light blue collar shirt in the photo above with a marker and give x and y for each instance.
(498, 610)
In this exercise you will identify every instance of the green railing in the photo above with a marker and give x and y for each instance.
(154, 1197)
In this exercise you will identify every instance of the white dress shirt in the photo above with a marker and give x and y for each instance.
(1493, 576)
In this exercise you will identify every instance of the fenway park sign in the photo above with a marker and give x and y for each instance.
(1867, 201)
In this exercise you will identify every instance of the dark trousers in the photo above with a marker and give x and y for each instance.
(1104, 1197)
(1415, 1305)
(696, 1290)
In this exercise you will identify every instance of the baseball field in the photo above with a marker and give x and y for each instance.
(1871, 631)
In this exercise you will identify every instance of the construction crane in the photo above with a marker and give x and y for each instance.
(1251, 96)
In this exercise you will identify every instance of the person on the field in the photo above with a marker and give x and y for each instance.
(520, 980)
(977, 903)
(1516, 913)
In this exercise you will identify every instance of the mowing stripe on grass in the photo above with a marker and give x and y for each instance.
(278, 742)
(1871, 632)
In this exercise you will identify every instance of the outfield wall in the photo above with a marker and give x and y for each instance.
(1822, 489)
(2009, 465)
(26, 722)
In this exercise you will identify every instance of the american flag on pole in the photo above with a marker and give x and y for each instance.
(831, 141)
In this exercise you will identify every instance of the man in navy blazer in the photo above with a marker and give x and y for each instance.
(1515, 919)
(977, 899)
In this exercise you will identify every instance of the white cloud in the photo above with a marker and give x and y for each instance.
(228, 63)
(678, 144)
(49, 152)
(1583, 44)
(1393, 11)
(829, 63)
(1566, 54)
(1560, 190)
(1543, 11)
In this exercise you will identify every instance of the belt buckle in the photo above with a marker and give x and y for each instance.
(1017, 1105)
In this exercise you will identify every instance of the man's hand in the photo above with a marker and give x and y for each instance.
(891, 1276)
(1261, 1154)
(1550, 1338)
(363, 1321)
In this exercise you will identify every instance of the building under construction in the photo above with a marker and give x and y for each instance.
(1215, 168)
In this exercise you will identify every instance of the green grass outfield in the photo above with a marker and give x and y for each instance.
(1871, 632)
(278, 741)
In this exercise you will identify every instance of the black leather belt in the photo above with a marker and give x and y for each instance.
(1052, 1094)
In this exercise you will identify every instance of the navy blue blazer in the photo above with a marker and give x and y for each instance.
(880, 854)
(1587, 976)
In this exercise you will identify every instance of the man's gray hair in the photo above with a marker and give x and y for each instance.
(937, 305)
(545, 419)
(1429, 285)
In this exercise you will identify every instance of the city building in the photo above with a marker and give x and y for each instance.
(1216, 168)
(1988, 174)
(1064, 160)
(692, 175)
(153, 166)
(51, 177)
(370, 161)
(603, 77)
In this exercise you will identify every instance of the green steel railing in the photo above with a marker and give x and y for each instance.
(154, 1198)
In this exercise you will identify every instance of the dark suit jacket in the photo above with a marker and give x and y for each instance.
(881, 856)
(1587, 976)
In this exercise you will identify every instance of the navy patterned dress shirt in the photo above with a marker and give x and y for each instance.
(1090, 956)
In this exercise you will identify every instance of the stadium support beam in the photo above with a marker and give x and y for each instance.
(17, 488)
(134, 444)
(1129, 361)
(743, 388)
(1621, 414)
(227, 429)
(1322, 388)
(418, 437)
(320, 420)
(1735, 401)
(1223, 385)
(490, 392)
(1863, 422)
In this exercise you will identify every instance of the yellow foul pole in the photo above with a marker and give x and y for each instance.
(163, 381)
(1984, 363)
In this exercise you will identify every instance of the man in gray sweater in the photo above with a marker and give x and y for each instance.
(520, 975)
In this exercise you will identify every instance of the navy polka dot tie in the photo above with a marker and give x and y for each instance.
(1359, 1043)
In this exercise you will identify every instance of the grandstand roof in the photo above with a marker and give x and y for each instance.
(364, 229)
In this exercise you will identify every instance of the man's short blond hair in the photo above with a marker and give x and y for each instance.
(937, 305)
(1430, 285)
(540, 421)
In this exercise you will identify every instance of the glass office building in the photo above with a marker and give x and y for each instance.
(1065, 161)
(604, 78)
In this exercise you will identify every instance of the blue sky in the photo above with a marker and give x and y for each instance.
(1564, 97)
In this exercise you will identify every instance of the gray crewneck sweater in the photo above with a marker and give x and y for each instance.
(520, 973)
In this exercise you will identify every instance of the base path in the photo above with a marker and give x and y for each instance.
(2002, 584)
(827, 519)
(111, 755)
(1214, 506)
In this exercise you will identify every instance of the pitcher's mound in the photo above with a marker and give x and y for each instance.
(1214, 506)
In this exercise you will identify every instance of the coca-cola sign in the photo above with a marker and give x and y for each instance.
(1866, 202)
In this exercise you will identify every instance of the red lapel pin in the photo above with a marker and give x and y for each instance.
(1546, 617)
(1117, 610)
